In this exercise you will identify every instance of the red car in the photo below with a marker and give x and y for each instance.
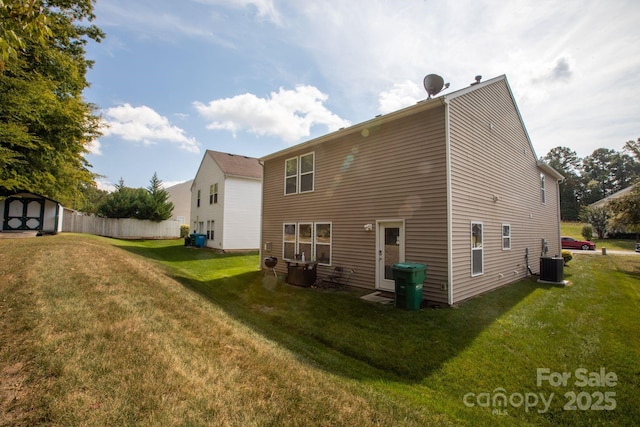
(571, 243)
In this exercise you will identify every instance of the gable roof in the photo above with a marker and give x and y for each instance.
(236, 165)
(4, 194)
(413, 109)
(602, 202)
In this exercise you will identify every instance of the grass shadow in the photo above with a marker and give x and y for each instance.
(350, 337)
(338, 331)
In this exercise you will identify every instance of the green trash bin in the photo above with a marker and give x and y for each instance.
(408, 277)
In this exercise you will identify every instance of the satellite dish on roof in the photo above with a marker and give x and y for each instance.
(433, 84)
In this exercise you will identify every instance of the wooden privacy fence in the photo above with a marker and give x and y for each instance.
(123, 228)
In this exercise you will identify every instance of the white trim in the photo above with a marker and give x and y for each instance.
(299, 173)
(401, 255)
(503, 236)
(297, 176)
(313, 172)
(296, 241)
(447, 131)
(315, 243)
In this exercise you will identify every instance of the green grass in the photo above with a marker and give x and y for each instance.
(382, 366)
(437, 356)
(574, 229)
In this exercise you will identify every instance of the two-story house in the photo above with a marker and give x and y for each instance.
(452, 182)
(226, 197)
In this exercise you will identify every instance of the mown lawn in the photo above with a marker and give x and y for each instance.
(574, 229)
(98, 335)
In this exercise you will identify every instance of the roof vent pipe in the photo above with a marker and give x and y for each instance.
(478, 78)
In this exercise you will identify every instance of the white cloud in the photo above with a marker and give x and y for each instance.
(143, 124)
(265, 8)
(559, 68)
(94, 147)
(399, 96)
(286, 114)
(105, 185)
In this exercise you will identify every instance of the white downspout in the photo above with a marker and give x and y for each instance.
(449, 205)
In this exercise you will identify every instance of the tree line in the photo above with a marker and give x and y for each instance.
(594, 177)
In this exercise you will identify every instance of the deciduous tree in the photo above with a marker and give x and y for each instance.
(567, 162)
(598, 217)
(45, 125)
(626, 211)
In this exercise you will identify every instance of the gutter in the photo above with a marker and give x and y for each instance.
(376, 121)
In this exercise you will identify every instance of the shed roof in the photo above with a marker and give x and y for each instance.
(237, 165)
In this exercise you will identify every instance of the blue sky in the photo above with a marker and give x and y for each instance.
(174, 78)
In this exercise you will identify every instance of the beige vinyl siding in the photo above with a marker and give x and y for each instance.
(492, 156)
(389, 170)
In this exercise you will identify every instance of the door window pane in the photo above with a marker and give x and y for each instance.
(391, 250)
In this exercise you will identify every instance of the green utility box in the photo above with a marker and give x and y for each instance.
(408, 277)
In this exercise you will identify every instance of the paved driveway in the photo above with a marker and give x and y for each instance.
(599, 252)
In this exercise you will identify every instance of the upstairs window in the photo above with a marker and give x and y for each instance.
(215, 193)
(211, 194)
(542, 189)
(299, 174)
(198, 199)
(291, 176)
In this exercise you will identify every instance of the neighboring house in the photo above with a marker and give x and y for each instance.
(605, 201)
(452, 182)
(225, 201)
(180, 196)
(25, 211)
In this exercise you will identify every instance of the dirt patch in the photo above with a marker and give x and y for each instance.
(17, 234)
(15, 406)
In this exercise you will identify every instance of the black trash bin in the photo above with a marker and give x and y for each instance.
(408, 277)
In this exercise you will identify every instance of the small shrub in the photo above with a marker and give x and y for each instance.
(567, 256)
(587, 232)
(184, 230)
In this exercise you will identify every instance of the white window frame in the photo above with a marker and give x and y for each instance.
(543, 191)
(312, 172)
(285, 242)
(308, 254)
(506, 239)
(299, 174)
(477, 248)
(316, 243)
(287, 176)
(211, 231)
(314, 240)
